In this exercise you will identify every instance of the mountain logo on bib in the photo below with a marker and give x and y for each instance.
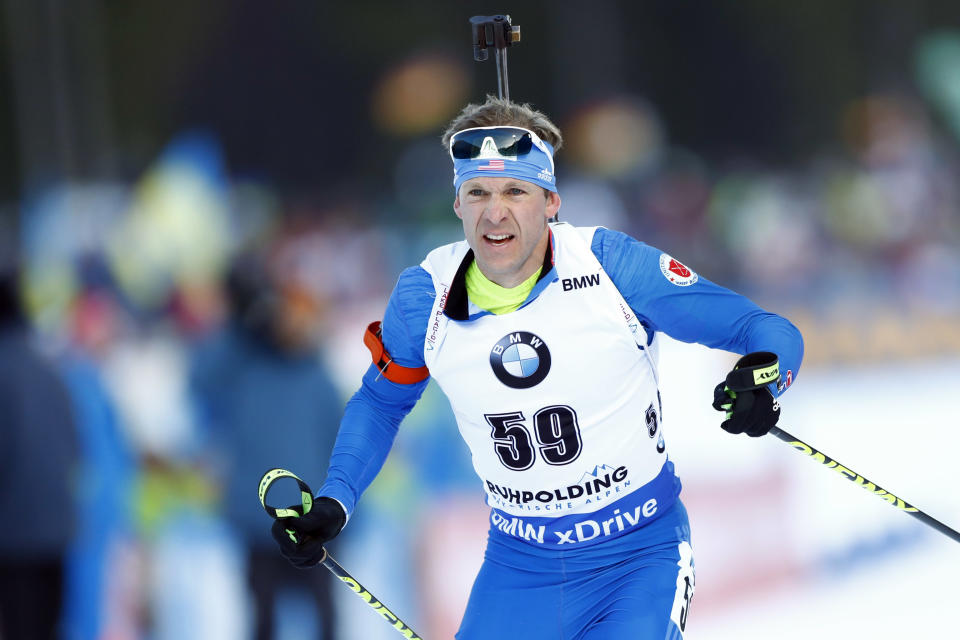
(520, 360)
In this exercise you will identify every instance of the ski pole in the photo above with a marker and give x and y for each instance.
(496, 32)
(306, 502)
(855, 477)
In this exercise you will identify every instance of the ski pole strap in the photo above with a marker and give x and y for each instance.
(306, 496)
(754, 370)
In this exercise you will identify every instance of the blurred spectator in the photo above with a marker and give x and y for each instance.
(103, 587)
(37, 458)
(266, 400)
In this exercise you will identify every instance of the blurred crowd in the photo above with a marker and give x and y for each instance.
(192, 328)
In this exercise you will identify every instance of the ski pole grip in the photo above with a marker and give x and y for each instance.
(306, 496)
(754, 370)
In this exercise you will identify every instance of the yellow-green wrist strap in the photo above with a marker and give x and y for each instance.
(754, 370)
(306, 496)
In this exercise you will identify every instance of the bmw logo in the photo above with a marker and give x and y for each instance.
(520, 360)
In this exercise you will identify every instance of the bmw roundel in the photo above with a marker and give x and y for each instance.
(520, 360)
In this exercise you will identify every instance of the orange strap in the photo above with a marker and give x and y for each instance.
(385, 364)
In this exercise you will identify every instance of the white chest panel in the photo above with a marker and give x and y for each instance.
(557, 401)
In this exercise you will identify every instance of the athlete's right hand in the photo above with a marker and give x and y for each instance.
(301, 539)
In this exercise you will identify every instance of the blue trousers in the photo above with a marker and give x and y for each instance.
(637, 586)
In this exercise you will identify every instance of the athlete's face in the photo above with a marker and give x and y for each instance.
(505, 223)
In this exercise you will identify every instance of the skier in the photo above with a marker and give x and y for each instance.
(543, 336)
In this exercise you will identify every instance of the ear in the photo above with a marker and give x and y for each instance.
(553, 204)
(456, 206)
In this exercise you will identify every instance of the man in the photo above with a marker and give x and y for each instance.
(261, 374)
(544, 338)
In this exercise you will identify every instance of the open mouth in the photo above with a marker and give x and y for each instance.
(497, 239)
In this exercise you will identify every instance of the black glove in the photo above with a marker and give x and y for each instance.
(751, 407)
(301, 539)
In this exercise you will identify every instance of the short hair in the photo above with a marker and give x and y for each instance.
(501, 112)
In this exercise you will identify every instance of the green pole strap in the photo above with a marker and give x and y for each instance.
(306, 495)
(753, 371)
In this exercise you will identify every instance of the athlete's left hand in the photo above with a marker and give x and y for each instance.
(745, 396)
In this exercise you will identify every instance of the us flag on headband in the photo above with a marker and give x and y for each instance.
(493, 165)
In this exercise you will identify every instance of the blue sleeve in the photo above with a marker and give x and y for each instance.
(373, 415)
(701, 312)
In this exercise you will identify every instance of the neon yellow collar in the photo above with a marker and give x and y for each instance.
(492, 297)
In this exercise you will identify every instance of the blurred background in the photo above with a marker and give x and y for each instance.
(202, 205)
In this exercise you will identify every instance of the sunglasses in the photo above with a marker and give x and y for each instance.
(506, 142)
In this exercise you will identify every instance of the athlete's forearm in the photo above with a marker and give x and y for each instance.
(721, 319)
(765, 331)
(370, 423)
(690, 308)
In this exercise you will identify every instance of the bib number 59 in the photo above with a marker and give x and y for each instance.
(557, 434)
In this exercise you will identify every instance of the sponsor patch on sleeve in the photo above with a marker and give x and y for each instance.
(785, 383)
(676, 272)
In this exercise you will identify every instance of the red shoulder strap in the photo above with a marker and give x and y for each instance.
(388, 368)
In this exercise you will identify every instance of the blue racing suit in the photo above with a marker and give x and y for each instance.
(558, 402)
